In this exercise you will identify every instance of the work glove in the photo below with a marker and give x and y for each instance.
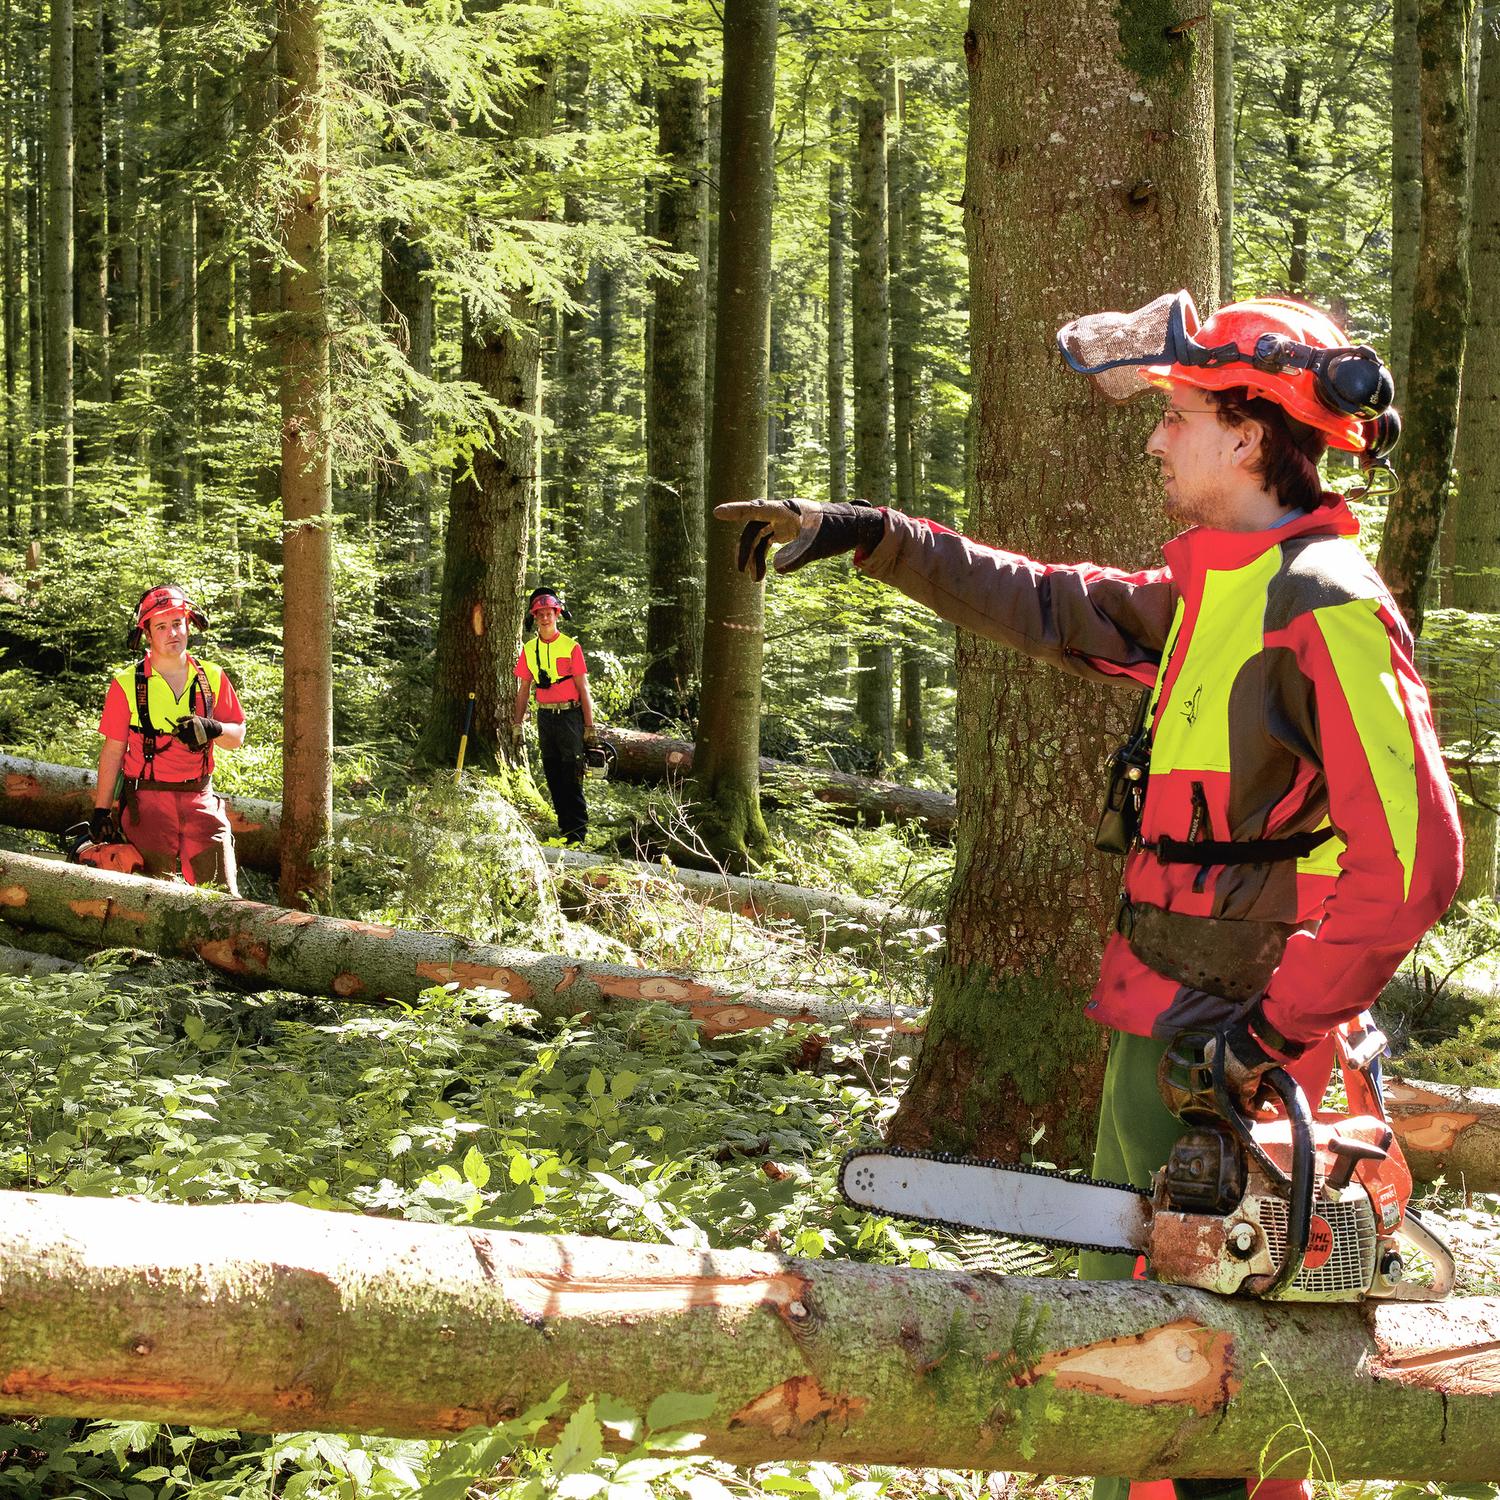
(590, 739)
(1247, 1058)
(517, 734)
(196, 730)
(805, 531)
(102, 826)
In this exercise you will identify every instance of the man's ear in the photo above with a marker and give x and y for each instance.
(1249, 441)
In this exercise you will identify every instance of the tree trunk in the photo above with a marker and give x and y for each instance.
(274, 1316)
(10, 272)
(1406, 182)
(873, 454)
(306, 466)
(403, 499)
(1126, 163)
(1223, 23)
(174, 286)
(1440, 311)
(123, 200)
(35, 299)
(1299, 187)
(90, 220)
(59, 268)
(674, 411)
(838, 435)
(269, 947)
(1476, 459)
(726, 792)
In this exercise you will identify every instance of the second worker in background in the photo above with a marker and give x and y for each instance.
(552, 664)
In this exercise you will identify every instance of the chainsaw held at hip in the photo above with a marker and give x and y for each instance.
(1281, 1202)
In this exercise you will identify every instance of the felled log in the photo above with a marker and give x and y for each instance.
(1447, 1131)
(39, 795)
(269, 947)
(16, 962)
(658, 757)
(269, 1317)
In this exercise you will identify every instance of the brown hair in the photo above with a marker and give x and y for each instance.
(1290, 450)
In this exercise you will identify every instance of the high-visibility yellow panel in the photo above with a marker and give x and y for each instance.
(1193, 731)
(1361, 652)
(1324, 860)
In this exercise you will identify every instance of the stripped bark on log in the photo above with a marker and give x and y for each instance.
(274, 1317)
(36, 794)
(268, 947)
(1447, 1131)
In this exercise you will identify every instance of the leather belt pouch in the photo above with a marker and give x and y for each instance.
(1220, 956)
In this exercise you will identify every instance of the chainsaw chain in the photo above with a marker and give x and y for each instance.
(949, 1158)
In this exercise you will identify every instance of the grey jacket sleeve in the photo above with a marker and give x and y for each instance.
(1097, 622)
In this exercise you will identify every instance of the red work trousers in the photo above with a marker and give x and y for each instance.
(182, 831)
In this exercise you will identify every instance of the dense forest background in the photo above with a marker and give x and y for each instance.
(361, 319)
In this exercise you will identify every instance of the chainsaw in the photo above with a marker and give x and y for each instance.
(1276, 1203)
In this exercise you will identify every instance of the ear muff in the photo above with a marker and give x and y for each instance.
(1356, 382)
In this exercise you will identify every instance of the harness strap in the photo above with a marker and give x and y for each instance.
(147, 729)
(1237, 851)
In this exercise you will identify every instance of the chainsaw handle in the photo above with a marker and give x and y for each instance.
(1301, 1186)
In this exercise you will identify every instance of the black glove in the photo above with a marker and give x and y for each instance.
(805, 530)
(1246, 1054)
(102, 826)
(195, 731)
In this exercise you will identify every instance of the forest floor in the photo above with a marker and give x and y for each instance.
(146, 1078)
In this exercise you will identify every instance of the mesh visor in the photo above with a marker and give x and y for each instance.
(1111, 347)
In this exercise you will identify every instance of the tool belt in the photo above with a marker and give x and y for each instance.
(1218, 955)
(140, 784)
(559, 707)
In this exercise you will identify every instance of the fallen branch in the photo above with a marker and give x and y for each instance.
(274, 1317)
(36, 794)
(267, 947)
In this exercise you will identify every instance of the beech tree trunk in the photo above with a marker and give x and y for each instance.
(265, 947)
(59, 267)
(1124, 160)
(838, 206)
(1476, 459)
(268, 1317)
(10, 268)
(89, 219)
(873, 452)
(726, 762)
(1223, 24)
(675, 410)
(1440, 311)
(306, 467)
(1406, 183)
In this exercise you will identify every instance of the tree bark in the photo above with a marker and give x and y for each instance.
(873, 452)
(1126, 163)
(675, 410)
(838, 434)
(1406, 182)
(1440, 311)
(306, 466)
(1476, 459)
(59, 268)
(10, 271)
(266, 947)
(267, 1317)
(1447, 1131)
(175, 275)
(726, 762)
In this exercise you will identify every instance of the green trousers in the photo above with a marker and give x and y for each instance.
(1136, 1135)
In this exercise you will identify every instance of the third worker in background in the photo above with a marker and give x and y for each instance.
(552, 665)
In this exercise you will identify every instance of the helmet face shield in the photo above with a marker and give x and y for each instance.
(1111, 348)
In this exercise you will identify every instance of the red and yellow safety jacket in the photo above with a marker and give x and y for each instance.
(1285, 701)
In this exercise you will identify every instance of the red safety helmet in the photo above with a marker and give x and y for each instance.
(545, 598)
(163, 599)
(1284, 350)
(1262, 329)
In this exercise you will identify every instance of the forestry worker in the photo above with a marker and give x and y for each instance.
(552, 665)
(162, 719)
(1296, 834)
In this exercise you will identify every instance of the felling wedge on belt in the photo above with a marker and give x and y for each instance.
(1289, 1206)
